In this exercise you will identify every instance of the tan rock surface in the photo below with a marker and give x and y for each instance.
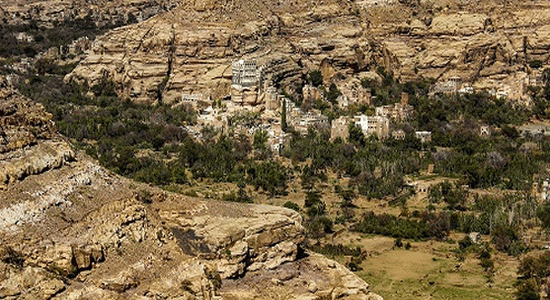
(189, 50)
(177, 52)
(77, 231)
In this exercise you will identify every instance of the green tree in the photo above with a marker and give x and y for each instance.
(333, 93)
(292, 205)
(284, 125)
(543, 213)
(356, 135)
(316, 78)
(528, 290)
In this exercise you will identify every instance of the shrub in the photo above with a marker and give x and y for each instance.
(319, 226)
(354, 264)
(528, 290)
(430, 225)
(506, 239)
(398, 243)
(316, 78)
(535, 64)
(144, 196)
(487, 264)
(465, 243)
(336, 249)
(292, 205)
(12, 257)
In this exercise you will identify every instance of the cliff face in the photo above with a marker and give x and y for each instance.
(490, 45)
(189, 49)
(72, 230)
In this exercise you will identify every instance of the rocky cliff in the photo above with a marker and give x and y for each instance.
(491, 44)
(70, 229)
(189, 49)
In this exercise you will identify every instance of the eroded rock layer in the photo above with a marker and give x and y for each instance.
(73, 230)
(190, 48)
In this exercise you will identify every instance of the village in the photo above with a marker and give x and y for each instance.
(252, 93)
(254, 98)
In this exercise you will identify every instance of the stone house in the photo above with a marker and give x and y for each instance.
(398, 112)
(193, 100)
(424, 136)
(377, 125)
(246, 82)
(355, 92)
(311, 93)
(398, 134)
(340, 128)
(302, 123)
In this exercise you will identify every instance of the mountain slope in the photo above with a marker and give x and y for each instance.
(73, 230)
(189, 49)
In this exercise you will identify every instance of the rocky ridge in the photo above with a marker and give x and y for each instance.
(190, 48)
(74, 230)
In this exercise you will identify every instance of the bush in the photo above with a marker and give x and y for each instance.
(292, 205)
(543, 213)
(429, 226)
(12, 257)
(336, 250)
(535, 266)
(354, 264)
(398, 243)
(465, 243)
(535, 64)
(506, 239)
(316, 78)
(528, 290)
(319, 226)
(144, 196)
(487, 264)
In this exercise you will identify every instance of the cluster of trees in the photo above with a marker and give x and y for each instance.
(388, 90)
(123, 131)
(454, 121)
(503, 218)
(425, 225)
(355, 253)
(375, 169)
(482, 250)
(534, 271)
(318, 222)
(45, 37)
(454, 196)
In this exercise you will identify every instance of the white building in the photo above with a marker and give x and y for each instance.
(245, 73)
(246, 82)
(424, 136)
(378, 125)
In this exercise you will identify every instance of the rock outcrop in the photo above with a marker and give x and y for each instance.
(76, 231)
(28, 142)
(190, 48)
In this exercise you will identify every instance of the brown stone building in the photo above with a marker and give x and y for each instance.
(340, 128)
